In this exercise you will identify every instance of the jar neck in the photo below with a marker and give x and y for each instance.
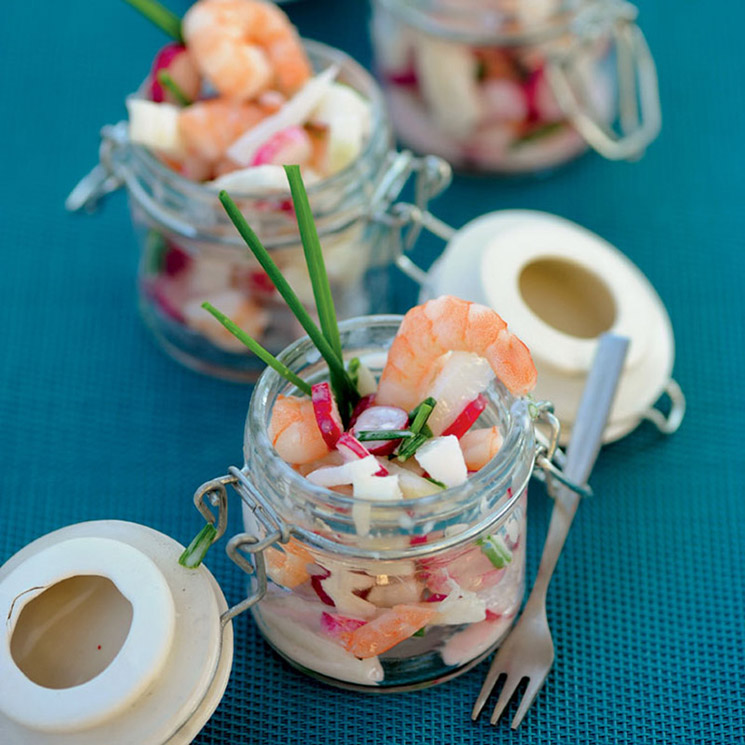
(192, 210)
(325, 518)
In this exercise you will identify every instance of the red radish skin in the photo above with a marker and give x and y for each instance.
(464, 421)
(376, 418)
(351, 448)
(163, 61)
(175, 260)
(316, 583)
(327, 413)
(339, 627)
(364, 403)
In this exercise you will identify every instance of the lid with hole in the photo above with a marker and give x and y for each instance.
(109, 639)
(559, 287)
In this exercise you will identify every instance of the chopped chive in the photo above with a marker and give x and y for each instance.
(158, 14)
(165, 79)
(344, 391)
(538, 133)
(411, 446)
(384, 434)
(435, 482)
(195, 552)
(155, 252)
(422, 414)
(314, 259)
(494, 548)
(353, 368)
(419, 633)
(257, 349)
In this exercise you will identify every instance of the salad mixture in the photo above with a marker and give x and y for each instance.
(230, 101)
(414, 433)
(485, 107)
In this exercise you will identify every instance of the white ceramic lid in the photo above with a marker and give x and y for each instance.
(172, 658)
(559, 286)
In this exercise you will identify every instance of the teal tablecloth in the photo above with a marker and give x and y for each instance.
(647, 606)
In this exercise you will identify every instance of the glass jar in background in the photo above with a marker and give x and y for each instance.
(377, 595)
(191, 252)
(510, 86)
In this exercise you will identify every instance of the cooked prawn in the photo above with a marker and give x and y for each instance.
(449, 324)
(479, 446)
(244, 47)
(294, 432)
(209, 128)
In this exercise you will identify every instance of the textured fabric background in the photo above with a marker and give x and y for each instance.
(648, 601)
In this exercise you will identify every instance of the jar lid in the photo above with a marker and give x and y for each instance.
(109, 639)
(560, 286)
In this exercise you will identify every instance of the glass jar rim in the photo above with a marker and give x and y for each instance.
(415, 14)
(359, 78)
(517, 444)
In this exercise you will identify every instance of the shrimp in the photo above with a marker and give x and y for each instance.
(449, 324)
(244, 47)
(294, 432)
(209, 128)
(479, 446)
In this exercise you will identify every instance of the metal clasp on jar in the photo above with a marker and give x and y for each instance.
(638, 95)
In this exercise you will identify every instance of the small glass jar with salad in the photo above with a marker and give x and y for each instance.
(384, 490)
(515, 86)
(234, 97)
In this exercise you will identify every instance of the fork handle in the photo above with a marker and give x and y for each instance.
(582, 451)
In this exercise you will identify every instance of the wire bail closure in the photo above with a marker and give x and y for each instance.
(549, 457)
(242, 545)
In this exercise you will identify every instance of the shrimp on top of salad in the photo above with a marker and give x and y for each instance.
(239, 95)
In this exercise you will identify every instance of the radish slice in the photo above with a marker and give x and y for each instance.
(466, 418)
(294, 113)
(291, 145)
(352, 449)
(376, 418)
(338, 626)
(364, 403)
(163, 61)
(327, 413)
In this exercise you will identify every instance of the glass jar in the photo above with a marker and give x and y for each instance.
(510, 86)
(191, 252)
(379, 595)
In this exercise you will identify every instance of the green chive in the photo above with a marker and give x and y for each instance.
(493, 547)
(158, 14)
(264, 355)
(155, 252)
(384, 434)
(165, 79)
(422, 414)
(314, 259)
(436, 482)
(411, 446)
(419, 633)
(353, 368)
(344, 391)
(195, 552)
(538, 133)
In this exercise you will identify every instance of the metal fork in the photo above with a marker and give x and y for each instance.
(528, 651)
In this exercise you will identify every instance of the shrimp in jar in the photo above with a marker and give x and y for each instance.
(294, 431)
(244, 47)
(479, 446)
(448, 324)
(209, 128)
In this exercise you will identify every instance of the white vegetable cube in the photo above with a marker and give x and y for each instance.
(348, 473)
(442, 459)
(155, 125)
(377, 487)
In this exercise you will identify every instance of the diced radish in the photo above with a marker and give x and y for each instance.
(364, 403)
(345, 474)
(389, 629)
(291, 145)
(436, 597)
(442, 458)
(295, 112)
(462, 377)
(412, 485)
(163, 61)
(376, 418)
(402, 77)
(265, 179)
(352, 449)
(316, 582)
(466, 418)
(460, 606)
(377, 487)
(155, 125)
(327, 413)
(175, 260)
(175, 59)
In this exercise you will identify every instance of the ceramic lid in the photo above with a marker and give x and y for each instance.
(109, 640)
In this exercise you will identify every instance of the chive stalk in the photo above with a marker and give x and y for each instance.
(195, 552)
(422, 413)
(164, 19)
(167, 81)
(384, 434)
(263, 354)
(344, 391)
(494, 548)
